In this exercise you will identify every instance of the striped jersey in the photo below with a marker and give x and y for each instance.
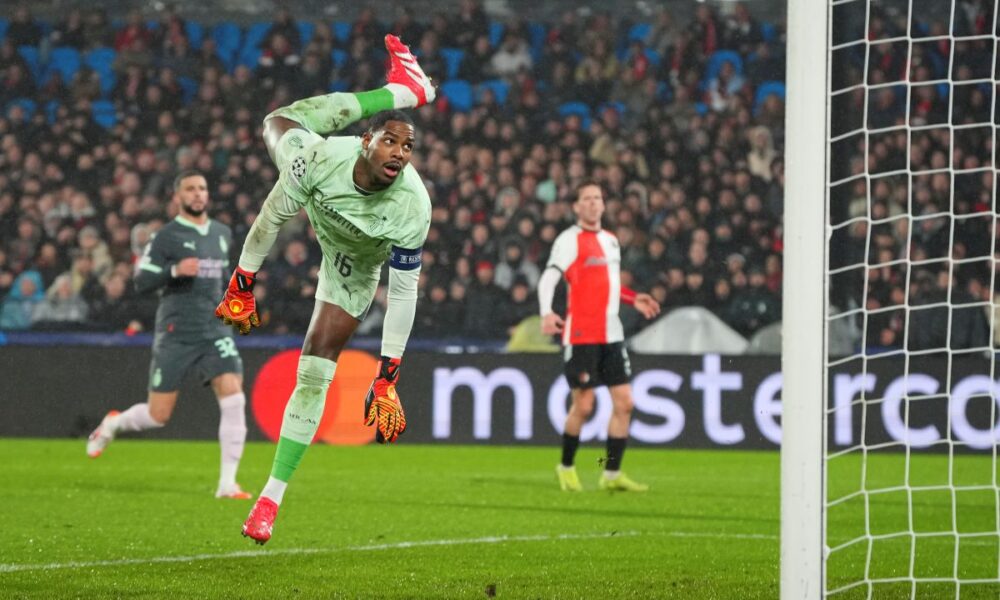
(591, 263)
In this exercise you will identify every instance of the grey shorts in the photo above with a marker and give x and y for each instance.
(173, 359)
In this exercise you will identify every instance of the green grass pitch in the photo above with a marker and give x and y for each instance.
(417, 522)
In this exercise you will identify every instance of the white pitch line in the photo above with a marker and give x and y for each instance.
(14, 567)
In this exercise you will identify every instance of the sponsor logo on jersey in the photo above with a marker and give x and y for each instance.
(595, 261)
(211, 268)
(223, 245)
(341, 220)
(190, 245)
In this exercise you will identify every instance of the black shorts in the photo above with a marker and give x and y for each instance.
(173, 358)
(594, 365)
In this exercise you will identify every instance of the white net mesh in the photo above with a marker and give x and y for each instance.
(912, 504)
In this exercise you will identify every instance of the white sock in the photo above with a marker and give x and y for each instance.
(135, 418)
(232, 437)
(563, 467)
(275, 489)
(611, 475)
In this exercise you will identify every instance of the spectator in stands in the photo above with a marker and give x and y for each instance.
(514, 266)
(512, 57)
(97, 31)
(286, 27)
(171, 30)
(742, 32)
(26, 293)
(483, 298)
(468, 24)
(722, 91)
(16, 83)
(23, 30)
(595, 74)
(61, 307)
(406, 28)
(430, 56)
(69, 32)
(134, 29)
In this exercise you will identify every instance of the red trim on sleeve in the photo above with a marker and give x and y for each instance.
(628, 295)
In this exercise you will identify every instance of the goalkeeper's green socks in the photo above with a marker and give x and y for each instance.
(302, 416)
(333, 112)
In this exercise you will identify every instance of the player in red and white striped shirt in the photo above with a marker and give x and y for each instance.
(592, 335)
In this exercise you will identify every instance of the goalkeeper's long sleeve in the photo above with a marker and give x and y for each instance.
(276, 210)
(402, 306)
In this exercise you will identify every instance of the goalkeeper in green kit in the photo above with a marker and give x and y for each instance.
(367, 205)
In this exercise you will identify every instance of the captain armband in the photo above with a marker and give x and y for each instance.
(405, 259)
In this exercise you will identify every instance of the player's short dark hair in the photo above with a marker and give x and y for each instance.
(585, 184)
(184, 175)
(378, 120)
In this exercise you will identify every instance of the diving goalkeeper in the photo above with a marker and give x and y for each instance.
(367, 205)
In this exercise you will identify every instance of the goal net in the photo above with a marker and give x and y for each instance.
(889, 467)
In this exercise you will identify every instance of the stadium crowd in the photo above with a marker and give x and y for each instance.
(682, 123)
(928, 232)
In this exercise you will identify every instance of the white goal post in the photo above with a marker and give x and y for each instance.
(804, 302)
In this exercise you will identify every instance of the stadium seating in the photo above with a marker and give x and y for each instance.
(766, 89)
(102, 61)
(574, 108)
(536, 38)
(189, 88)
(31, 56)
(578, 109)
(496, 33)
(306, 30)
(64, 59)
(720, 57)
(453, 61)
(195, 33)
(499, 87)
(459, 94)
(339, 57)
(769, 32)
(255, 35)
(227, 42)
(27, 104)
(342, 30)
(3, 28)
(51, 110)
(639, 32)
(104, 113)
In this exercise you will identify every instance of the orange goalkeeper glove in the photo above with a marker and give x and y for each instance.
(382, 406)
(238, 307)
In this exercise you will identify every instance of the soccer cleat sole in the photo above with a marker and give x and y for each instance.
(256, 541)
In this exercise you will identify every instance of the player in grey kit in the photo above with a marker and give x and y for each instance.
(188, 261)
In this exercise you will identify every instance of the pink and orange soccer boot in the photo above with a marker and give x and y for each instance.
(101, 437)
(405, 71)
(261, 520)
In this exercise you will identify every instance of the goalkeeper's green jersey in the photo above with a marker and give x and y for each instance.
(357, 231)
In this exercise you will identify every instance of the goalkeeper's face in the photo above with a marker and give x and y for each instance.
(387, 151)
(192, 194)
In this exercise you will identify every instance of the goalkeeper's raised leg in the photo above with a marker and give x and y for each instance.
(368, 205)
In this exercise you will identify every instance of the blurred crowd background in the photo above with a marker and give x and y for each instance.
(680, 119)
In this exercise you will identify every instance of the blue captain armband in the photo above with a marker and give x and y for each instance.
(404, 259)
